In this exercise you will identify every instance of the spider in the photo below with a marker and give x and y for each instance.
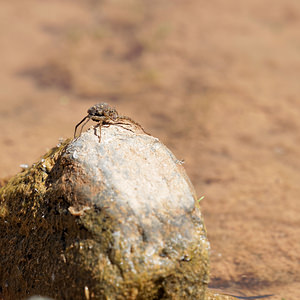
(105, 115)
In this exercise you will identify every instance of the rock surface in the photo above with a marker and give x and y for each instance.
(115, 218)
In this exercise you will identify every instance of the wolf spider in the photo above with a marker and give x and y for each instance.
(106, 115)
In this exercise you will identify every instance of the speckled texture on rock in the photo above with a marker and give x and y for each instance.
(115, 219)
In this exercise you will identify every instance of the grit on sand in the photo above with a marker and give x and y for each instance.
(216, 81)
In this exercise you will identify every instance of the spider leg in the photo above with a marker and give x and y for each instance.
(132, 121)
(120, 125)
(79, 124)
(100, 123)
(83, 125)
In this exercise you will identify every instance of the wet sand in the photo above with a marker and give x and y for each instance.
(217, 82)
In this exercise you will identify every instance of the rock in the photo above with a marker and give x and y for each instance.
(39, 298)
(111, 219)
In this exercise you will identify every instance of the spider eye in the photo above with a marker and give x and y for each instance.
(113, 114)
(91, 110)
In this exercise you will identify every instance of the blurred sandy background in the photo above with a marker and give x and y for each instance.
(217, 81)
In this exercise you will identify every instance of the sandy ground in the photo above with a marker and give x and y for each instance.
(217, 81)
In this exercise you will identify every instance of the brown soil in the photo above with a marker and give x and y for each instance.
(217, 81)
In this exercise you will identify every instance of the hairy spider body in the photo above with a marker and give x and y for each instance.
(102, 111)
(105, 115)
